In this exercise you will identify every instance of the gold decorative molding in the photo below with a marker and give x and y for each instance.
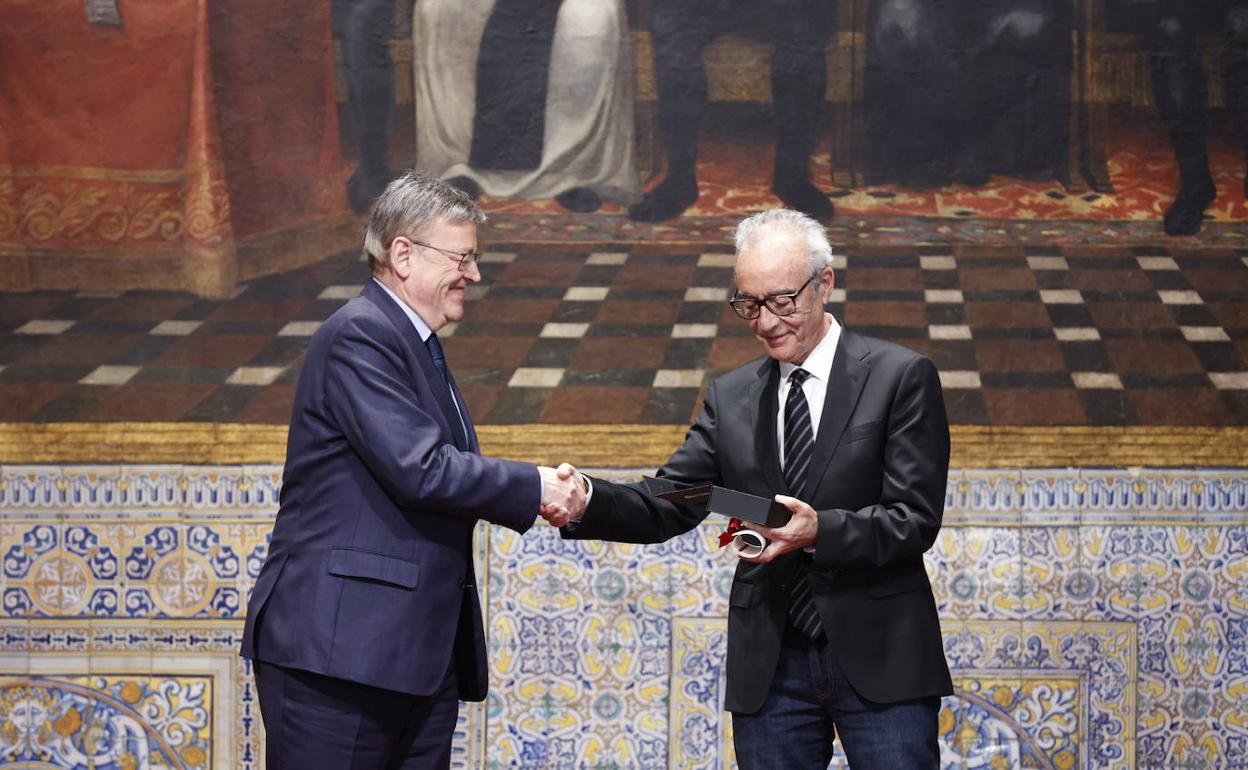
(152, 176)
(133, 442)
(1164, 446)
(209, 269)
(99, 211)
(618, 446)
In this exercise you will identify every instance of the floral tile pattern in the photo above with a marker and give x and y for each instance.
(1092, 619)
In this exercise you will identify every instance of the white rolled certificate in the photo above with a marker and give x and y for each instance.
(747, 542)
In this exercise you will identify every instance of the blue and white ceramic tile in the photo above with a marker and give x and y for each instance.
(1093, 619)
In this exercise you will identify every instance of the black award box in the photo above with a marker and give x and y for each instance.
(720, 500)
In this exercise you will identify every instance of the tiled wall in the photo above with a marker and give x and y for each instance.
(1093, 619)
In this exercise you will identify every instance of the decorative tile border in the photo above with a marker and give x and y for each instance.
(973, 496)
(187, 491)
(624, 446)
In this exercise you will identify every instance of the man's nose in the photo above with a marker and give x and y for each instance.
(766, 320)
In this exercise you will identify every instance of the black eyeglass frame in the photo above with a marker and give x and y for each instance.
(751, 308)
(462, 258)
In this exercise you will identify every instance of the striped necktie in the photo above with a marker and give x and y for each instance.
(799, 447)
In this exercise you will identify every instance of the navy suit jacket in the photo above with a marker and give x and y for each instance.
(369, 576)
(877, 483)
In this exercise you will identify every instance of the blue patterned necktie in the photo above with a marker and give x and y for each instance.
(799, 447)
(439, 362)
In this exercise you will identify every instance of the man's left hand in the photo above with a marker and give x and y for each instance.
(799, 532)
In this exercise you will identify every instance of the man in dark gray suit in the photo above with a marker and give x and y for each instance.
(833, 626)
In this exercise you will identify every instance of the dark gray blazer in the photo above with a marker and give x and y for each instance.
(877, 481)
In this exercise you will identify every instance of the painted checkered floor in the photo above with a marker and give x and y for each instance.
(1022, 336)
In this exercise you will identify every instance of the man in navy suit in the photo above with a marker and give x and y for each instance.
(364, 626)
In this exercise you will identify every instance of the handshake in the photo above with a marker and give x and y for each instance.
(565, 492)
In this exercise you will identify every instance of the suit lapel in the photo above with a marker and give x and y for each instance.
(762, 399)
(845, 383)
(419, 360)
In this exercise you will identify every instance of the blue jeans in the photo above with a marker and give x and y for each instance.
(811, 701)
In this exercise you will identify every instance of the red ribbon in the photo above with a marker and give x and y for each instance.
(725, 537)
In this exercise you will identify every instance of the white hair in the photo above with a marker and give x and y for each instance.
(818, 250)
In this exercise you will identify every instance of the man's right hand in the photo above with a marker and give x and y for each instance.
(563, 494)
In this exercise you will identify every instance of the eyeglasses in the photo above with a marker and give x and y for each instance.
(750, 308)
(465, 259)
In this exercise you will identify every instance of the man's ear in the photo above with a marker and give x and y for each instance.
(827, 282)
(400, 257)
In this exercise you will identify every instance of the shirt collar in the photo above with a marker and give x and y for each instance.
(422, 328)
(819, 362)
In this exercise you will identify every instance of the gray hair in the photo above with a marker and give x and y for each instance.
(818, 250)
(408, 205)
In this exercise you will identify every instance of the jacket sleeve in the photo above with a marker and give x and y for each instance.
(905, 521)
(625, 513)
(370, 395)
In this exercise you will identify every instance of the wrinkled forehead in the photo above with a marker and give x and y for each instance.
(771, 263)
(451, 234)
